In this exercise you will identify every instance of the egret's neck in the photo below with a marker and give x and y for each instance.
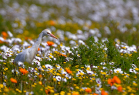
(39, 40)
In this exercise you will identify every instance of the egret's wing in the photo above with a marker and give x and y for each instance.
(20, 57)
(31, 52)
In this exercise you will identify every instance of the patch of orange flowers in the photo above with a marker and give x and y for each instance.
(95, 94)
(88, 90)
(68, 70)
(4, 34)
(104, 92)
(47, 91)
(40, 76)
(62, 55)
(115, 79)
(13, 80)
(50, 43)
(120, 89)
(31, 46)
(75, 93)
(1, 41)
(52, 22)
(23, 71)
(39, 49)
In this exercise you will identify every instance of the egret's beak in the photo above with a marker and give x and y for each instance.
(53, 36)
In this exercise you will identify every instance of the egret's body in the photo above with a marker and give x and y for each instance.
(29, 54)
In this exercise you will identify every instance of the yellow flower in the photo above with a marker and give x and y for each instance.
(93, 75)
(18, 90)
(130, 55)
(43, 66)
(5, 69)
(77, 66)
(122, 54)
(81, 74)
(135, 51)
(93, 78)
(6, 89)
(54, 79)
(81, 90)
(135, 84)
(132, 94)
(50, 56)
(98, 85)
(77, 87)
(33, 85)
(68, 93)
(4, 63)
(40, 82)
(56, 93)
(73, 79)
(58, 82)
(136, 69)
(1, 86)
(103, 73)
(62, 93)
(74, 84)
(88, 68)
(24, 91)
(51, 91)
(41, 89)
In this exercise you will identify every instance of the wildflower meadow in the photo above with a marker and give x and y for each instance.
(96, 53)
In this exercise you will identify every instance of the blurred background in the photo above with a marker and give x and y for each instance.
(112, 18)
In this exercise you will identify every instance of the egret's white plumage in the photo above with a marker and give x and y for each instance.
(28, 54)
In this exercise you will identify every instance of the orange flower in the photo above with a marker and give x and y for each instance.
(23, 71)
(110, 82)
(62, 55)
(28, 38)
(13, 80)
(104, 93)
(4, 34)
(40, 76)
(52, 22)
(75, 93)
(29, 46)
(39, 49)
(120, 89)
(50, 43)
(88, 90)
(1, 41)
(47, 91)
(68, 70)
(116, 80)
(95, 94)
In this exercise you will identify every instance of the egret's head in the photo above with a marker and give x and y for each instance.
(47, 32)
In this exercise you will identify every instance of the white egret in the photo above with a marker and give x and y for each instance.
(28, 54)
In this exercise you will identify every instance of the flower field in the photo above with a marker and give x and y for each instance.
(96, 53)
